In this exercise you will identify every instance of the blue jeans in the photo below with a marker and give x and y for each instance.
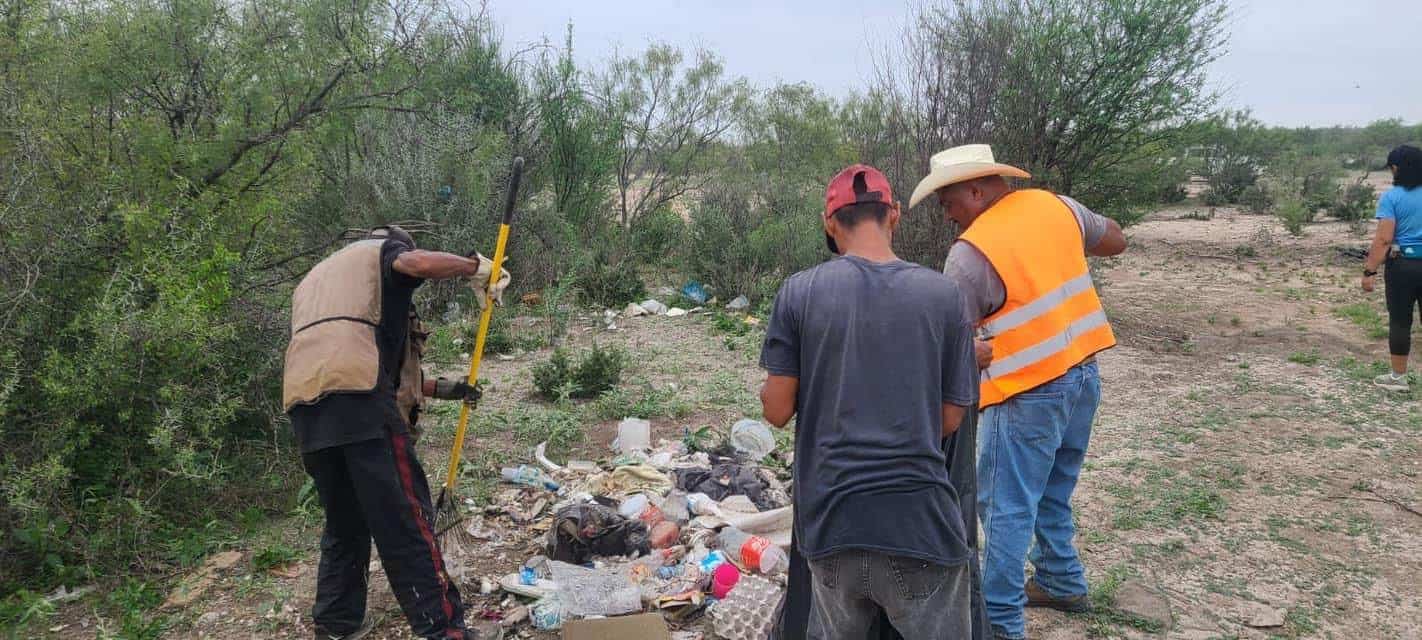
(1030, 451)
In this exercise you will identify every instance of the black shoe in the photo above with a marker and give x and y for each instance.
(363, 631)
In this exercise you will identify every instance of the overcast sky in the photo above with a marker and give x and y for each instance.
(1293, 62)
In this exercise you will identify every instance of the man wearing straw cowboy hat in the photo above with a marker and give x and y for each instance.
(1021, 264)
(352, 386)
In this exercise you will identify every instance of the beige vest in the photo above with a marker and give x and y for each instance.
(335, 313)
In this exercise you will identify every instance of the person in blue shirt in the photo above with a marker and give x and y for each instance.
(1398, 244)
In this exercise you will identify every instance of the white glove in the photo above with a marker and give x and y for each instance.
(483, 292)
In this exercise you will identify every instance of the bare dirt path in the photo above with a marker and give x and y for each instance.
(1242, 465)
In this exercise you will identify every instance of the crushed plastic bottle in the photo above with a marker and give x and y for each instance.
(752, 551)
(702, 505)
(547, 613)
(752, 438)
(529, 477)
(748, 611)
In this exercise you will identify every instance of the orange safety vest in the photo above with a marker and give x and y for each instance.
(1052, 319)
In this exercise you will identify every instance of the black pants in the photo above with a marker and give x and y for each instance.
(377, 489)
(1403, 286)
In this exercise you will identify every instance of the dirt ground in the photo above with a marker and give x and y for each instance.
(1242, 465)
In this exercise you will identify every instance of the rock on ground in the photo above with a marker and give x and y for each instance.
(1138, 600)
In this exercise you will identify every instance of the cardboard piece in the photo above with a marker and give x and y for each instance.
(645, 626)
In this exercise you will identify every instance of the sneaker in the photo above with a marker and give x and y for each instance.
(1038, 597)
(1393, 382)
(363, 631)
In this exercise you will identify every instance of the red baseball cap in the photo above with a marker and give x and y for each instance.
(856, 184)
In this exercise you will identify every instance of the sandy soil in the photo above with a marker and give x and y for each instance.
(1241, 464)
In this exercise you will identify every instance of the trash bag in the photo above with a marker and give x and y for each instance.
(726, 479)
(581, 531)
(694, 292)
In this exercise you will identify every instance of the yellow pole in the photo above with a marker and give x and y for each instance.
(477, 357)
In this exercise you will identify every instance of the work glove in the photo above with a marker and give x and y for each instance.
(480, 283)
(446, 389)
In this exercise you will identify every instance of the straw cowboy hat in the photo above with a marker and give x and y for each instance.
(961, 164)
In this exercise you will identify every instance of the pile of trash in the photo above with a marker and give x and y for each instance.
(694, 292)
(684, 536)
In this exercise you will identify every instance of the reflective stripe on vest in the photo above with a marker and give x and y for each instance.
(1052, 319)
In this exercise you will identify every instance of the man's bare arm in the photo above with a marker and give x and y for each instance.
(1111, 244)
(952, 418)
(435, 265)
(777, 399)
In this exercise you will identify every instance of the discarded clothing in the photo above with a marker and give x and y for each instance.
(582, 531)
(727, 479)
(627, 480)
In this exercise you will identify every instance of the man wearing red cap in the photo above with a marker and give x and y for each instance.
(874, 357)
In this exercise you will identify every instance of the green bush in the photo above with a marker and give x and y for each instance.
(610, 285)
(1295, 214)
(1229, 182)
(598, 371)
(657, 237)
(1257, 199)
(1354, 203)
(595, 372)
(550, 378)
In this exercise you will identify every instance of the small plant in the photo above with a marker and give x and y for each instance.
(731, 324)
(1295, 214)
(598, 371)
(549, 377)
(595, 373)
(1308, 358)
(272, 556)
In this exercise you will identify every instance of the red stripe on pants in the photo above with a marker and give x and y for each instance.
(398, 444)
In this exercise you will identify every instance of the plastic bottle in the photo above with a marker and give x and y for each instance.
(712, 560)
(529, 477)
(702, 504)
(753, 551)
(633, 506)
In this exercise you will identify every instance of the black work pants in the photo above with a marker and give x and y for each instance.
(1402, 283)
(377, 489)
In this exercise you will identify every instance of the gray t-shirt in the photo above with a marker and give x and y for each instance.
(983, 290)
(878, 350)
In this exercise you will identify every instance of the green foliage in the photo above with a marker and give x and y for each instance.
(1295, 214)
(1256, 199)
(598, 371)
(1355, 202)
(1073, 90)
(134, 603)
(646, 402)
(657, 237)
(272, 556)
(1367, 317)
(595, 372)
(551, 378)
(23, 608)
(609, 282)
